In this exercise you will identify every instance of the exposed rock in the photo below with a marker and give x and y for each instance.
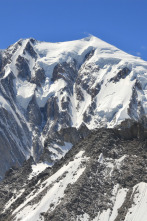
(39, 77)
(23, 67)
(89, 112)
(34, 114)
(66, 71)
(131, 129)
(65, 103)
(7, 84)
(121, 75)
(79, 93)
(11, 131)
(30, 50)
(135, 109)
(89, 54)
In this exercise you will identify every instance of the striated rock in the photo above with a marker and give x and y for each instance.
(7, 84)
(121, 75)
(39, 77)
(34, 114)
(23, 67)
(130, 129)
(12, 153)
(66, 71)
(30, 50)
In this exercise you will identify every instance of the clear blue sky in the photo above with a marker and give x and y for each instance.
(122, 23)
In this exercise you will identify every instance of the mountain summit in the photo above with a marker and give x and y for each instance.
(48, 90)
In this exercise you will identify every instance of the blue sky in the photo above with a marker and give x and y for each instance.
(122, 23)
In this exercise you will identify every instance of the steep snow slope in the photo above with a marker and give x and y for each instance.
(48, 87)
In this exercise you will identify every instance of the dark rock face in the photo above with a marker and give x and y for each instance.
(136, 110)
(6, 55)
(92, 192)
(34, 117)
(65, 103)
(11, 152)
(30, 50)
(89, 112)
(39, 77)
(51, 115)
(121, 75)
(37, 146)
(52, 108)
(74, 135)
(65, 71)
(56, 117)
(23, 67)
(87, 84)
(79, 94)
(70, 135)
(130, 129)
(7, 84)
(89, 54)
(96, 90)
(15, 137)
(34, 114)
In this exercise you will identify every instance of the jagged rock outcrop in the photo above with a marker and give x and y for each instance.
(23, 67)
(120, 75)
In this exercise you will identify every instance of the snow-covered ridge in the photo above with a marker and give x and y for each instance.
(114, 97)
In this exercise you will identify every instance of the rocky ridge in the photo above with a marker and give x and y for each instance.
(103, 178)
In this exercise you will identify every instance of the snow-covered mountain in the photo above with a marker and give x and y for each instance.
(52, 94)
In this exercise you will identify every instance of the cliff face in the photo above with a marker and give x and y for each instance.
(48, 91)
